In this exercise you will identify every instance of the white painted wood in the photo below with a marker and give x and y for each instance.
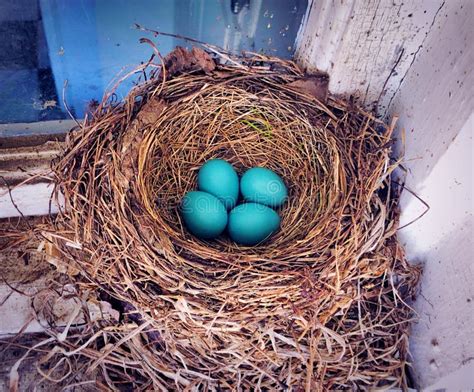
(435, 103)
(366, 46)
(29, 200)
(448, 190)
(18, 165)
(459, 380)
(436, 97)
(17, 312)
(442, 240)
(25, 178)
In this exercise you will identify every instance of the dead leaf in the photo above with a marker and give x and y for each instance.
(181, 60)
(54, 257)
(314, 85)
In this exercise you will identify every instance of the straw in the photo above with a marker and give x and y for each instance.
(320, 305)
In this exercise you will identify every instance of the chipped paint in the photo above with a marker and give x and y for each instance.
(367, 47)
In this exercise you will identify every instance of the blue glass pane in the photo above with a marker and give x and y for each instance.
(89, 43)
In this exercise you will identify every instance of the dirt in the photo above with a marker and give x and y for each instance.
(11, 350)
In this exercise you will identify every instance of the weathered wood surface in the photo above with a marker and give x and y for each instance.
(367, 47)
(409, 59)
(25, 181)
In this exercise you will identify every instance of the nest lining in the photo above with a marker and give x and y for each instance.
(320, 305)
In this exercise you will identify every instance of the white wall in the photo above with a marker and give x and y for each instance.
(443, 340)
(417, 58)
(435, 103)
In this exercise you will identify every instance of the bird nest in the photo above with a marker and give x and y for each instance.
(320, 305)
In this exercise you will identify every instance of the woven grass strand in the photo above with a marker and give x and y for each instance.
(319, 306)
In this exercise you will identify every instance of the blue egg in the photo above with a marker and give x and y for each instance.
(261, 185)
(219, 178)
(251, 223)
(203, 214)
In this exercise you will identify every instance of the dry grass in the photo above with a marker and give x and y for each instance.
(321, 305)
